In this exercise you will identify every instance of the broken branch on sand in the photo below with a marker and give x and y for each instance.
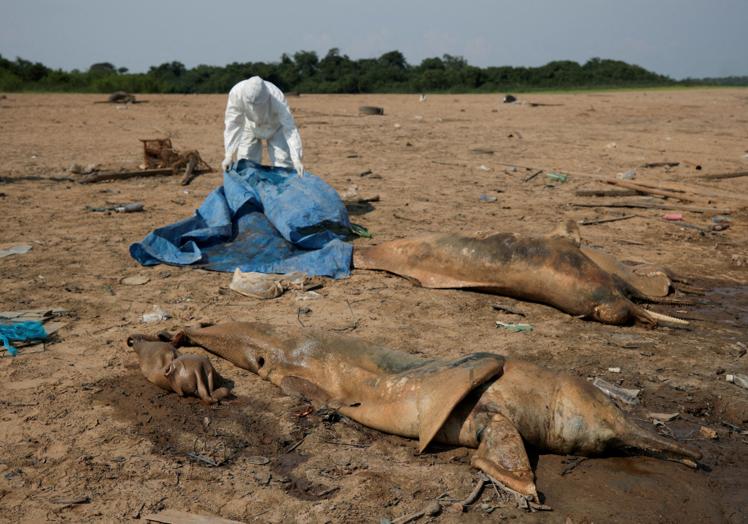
(604, 220)
(722, 176)
(122, 175)
(652, 205)
(647, 190)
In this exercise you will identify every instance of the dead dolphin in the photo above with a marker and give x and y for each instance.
(192, 375)
(481, 400)
(551, 270)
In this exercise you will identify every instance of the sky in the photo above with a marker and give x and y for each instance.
(678, 38)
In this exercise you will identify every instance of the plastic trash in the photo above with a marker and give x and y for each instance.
(557, 177)
(514, 327)
(629, 396)
(673, 217)
(18, 249)
(156, 314)
(628, 175)
(487, 198)
(21, 332)
(738, 379)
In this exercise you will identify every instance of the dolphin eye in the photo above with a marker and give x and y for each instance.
(260, 362)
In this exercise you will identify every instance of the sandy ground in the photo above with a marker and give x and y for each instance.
(80, 422)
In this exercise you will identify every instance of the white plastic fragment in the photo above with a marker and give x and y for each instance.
(156, 314)
(629, 396)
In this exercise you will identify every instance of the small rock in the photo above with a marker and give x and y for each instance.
(708, 433)
(136, 280)
(738, 379)
(614, 370)
(663, 417)
(628, 175)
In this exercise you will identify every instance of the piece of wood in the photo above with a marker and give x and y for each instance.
(604, 220)
(648, 190)
(532, 175)
(692, 190)
(661, 164)
(189, 171)
(606, 192)
(122, 175)
(722, 176)
(653, 205)
(172, 516)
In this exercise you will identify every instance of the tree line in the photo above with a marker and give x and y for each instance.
(306, 72)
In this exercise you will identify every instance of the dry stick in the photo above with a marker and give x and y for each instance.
(121, 175)
(648, 190)
(606, 193)
(531, 176)
(189, 171)
(604, 220)
(433, 508)
(10, 180)
(649, 205)
(661, 164)
(721, 176)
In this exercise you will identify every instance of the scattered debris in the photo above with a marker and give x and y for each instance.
(673, 217)
(257, 460)
(266, 286)
(134, 207)
(720, 176)
(571, 464)
(663, 417)
(508, 99)
(136, 280)
(653, 205)
(487, 198)
(606, 192)
(709, 433)
(514, 327)
(660, 164)
(17, 249)
(120, 97)
(628, 175)
(70, 501)
(507, 309)
(614, 370)
(431, 510)
(484, 167)
(160, 159)
(586, 222)
(557, 177)
(371, 110)
(532, 175)
(156, 314)
(21, 331)
(482, 151)
(738, 379)
(629, 396)
(172, 516)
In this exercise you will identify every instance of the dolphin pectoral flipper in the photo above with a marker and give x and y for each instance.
(501, 455)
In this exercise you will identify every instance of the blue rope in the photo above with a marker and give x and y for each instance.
(21, 331)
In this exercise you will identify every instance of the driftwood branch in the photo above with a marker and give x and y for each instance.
(647, 190)
(722, 176)
(652, 205)
(122, 175)
(604, 220)
(189, 172)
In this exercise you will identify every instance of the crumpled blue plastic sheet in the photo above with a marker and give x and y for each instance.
(263, 219)
(21, 332)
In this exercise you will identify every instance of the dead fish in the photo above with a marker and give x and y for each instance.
(186, 375)
(550, 270)
(481, 400)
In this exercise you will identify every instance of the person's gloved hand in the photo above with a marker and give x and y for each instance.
(226, 163)
(299, 169)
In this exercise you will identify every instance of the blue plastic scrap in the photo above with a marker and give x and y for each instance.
(262, 219)
(21, 332)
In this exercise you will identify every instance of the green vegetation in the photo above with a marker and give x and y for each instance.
(334, 73)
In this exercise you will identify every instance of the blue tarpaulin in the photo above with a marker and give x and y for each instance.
(263, 219)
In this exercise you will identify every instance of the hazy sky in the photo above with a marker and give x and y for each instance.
(678, 38)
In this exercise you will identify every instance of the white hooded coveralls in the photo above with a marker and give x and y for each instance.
(257, 110)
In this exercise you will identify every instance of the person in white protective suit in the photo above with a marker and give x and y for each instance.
(257, 110)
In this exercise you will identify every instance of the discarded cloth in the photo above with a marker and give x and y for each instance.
(263, 219)
(21, 332)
